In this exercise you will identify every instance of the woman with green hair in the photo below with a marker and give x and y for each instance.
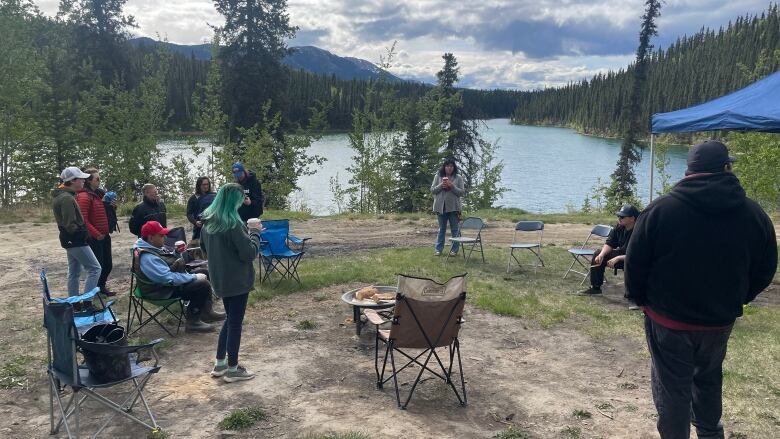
(231, 247)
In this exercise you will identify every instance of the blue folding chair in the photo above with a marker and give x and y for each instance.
(88, 315)
(276, 254)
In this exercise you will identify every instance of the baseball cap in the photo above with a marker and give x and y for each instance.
(153, 228)
(71, 173)
(709, 156)
(238, 170)
(627, 210)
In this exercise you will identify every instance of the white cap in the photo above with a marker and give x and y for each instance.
(72, 172)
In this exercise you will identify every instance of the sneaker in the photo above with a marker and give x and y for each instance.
(632, 306)
(453, 253)
(589, 292)
(108, 293)
(218, 371)
(240, 374)
(438, 253)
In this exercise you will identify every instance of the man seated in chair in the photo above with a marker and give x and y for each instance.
(161, 275)
(613, 253)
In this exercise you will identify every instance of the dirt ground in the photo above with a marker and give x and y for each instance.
(323, 379)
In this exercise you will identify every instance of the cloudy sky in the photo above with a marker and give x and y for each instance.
(517, 44)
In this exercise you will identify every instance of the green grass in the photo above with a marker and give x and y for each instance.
(306, 325)
(581, 414)
(571, 432)
(13, 373)
(512, 433)
(497, 214)
(242, 418)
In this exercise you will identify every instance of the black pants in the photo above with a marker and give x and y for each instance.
(102, 251)
(687, 379)
(230, 335)
(597, 272)
(197, 292)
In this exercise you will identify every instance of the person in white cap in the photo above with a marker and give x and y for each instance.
(73, 231)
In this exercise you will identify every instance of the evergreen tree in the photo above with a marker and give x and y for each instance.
(254, 37)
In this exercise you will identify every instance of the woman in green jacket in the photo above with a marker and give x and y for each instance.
(231, 249)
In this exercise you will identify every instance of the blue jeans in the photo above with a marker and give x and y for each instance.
(444, 218)
(230, 336)
(78, 258)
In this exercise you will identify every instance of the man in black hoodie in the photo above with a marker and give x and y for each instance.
(253, 193)
(697, 255)
(151, 208)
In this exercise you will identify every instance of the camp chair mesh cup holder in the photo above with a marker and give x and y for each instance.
(276, 254)
(64, 345)
(89, 314)
(583, 255)
(473, 238)
(526, 227)
(427, 316)
(143, 311)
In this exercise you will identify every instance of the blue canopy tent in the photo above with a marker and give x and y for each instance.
(753, 108)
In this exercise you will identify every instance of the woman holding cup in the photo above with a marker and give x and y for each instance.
(447, 188)
(231, 248)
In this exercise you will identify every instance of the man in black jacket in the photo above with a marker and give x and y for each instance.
(697, 255)
(149, 209)
(613, 253)
(253, 193)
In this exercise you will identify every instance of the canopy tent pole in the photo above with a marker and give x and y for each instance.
(652, 166)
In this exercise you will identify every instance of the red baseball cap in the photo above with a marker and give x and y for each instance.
(153, 228)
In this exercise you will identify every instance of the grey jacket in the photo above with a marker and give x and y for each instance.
(449, 199)
(230, 256)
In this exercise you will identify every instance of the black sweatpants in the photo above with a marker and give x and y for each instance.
(102, 251)
(597, 272)
(687, 379)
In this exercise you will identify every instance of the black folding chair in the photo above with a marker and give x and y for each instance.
(64, 372)
(583, 255)
(536, 227)
(473, 238)
(143, 311)
(427, 316)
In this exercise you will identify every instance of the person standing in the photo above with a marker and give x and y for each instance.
(151, 208)
(90, 201)
(252, 206)
(447, 188)
(231, 248)
(613, 252)
(696, 257)
(73, 231)
(198, 202)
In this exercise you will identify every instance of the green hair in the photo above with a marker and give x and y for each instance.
(222, 214)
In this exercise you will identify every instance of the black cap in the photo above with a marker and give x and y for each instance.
(710, 156)
(627, 210)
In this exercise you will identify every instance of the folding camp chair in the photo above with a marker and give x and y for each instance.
(88, 314)
(192, 256)
(143, 310)
(275, 252)
(583, 255)
(64, 372)
(473, 226)
(427, 316)
(536, 227)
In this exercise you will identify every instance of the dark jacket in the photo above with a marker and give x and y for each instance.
(701, 252)
(70, 222)
(230, 256)
(255, 195)
(618, 239)
(147, 210)
(195, 207)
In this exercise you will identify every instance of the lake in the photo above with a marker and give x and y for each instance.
(545, 169)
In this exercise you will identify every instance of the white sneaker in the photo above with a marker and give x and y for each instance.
(240, 374)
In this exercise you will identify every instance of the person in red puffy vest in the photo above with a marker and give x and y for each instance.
(90, 201)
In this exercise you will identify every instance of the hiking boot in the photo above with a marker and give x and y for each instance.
(108, 293)
(208, 315)
(197, 325)
(219, 371)
(240, 374)
(589, 292)
(632, 306)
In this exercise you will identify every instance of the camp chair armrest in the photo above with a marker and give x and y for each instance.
(296, 240)
(112, 349)
(89, 295)
(374, 317)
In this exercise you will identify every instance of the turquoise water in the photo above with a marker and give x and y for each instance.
(545, 169)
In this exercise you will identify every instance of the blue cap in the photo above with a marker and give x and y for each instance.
(238, 170)
(109, 197)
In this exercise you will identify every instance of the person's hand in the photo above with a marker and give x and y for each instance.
(200, 276)
(247, 201)
(598, 259)
(198, 223)
(611, 263)
(100, 237)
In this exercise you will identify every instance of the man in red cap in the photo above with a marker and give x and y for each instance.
(160, 275)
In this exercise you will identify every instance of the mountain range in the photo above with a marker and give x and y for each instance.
(309, 58)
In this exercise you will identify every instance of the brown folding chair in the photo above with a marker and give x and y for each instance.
(427, 316)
